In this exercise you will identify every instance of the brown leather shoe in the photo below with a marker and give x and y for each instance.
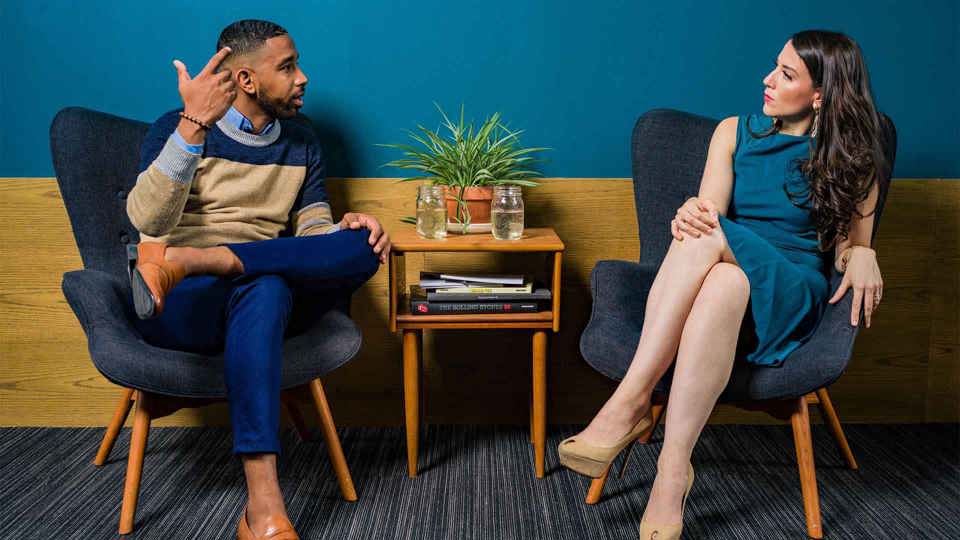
(151, 277)
(278, 528)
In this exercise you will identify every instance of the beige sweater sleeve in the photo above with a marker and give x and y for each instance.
(316, 218)
(155, 204)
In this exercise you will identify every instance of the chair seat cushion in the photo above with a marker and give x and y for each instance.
(610, 339)
(101, 302)
(332, 341)
(799, 375)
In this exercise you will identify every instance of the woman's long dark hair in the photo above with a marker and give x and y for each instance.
(845, 154)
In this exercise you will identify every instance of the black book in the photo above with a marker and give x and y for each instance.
(424, 307)
(420, 305)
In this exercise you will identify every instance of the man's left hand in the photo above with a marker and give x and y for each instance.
(378, 237)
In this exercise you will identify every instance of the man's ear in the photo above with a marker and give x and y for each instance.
(246, 80)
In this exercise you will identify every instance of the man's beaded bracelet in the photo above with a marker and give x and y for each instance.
(194, 120)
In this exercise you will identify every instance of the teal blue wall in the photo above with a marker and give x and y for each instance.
(574, 74)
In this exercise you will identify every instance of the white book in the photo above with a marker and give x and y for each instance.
(495, 279)
(475, 288)
(441, 284)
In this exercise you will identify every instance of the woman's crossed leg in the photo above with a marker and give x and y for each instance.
(693, 313)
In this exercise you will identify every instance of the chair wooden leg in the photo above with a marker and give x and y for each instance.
(138, 445)
(296, 418)
(423, 382)
(116, 424)
(833, 420)
(800, 420)
(411, 397)
(659, 404)
(539, 401)
(329, 430)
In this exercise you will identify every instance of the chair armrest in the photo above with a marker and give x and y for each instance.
(620, 288)
(829, 349)
(832, 342)
(816, 364)
(98, 299)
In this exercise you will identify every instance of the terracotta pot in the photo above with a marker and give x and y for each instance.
(477, 200)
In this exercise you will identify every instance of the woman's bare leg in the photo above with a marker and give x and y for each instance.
(704, 363)
(672, 294)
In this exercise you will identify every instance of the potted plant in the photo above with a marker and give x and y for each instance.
(468, 162)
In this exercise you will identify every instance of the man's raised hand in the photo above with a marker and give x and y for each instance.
(209, 95)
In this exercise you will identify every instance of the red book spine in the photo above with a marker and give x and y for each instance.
(423, 307)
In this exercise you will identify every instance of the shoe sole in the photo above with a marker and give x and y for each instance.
(143, 302)
(584, 466)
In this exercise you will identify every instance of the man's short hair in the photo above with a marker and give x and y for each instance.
(248, 35)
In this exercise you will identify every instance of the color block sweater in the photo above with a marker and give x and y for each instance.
(242, 187)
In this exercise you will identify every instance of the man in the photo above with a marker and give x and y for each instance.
(237, 238)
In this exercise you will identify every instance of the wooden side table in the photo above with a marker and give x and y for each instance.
(534, 240)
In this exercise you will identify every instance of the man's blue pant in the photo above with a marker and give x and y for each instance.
(295, 280)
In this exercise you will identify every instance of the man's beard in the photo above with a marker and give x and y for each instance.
(276, 108)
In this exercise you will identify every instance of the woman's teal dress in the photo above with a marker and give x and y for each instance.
(775, 243)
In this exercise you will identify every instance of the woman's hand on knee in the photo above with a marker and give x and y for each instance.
(695, 217)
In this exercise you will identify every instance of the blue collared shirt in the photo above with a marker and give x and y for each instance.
(237, 118)
(234, 117)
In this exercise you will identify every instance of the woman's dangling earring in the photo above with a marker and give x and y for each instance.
(816, 121)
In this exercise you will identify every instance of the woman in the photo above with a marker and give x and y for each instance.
(805, 183)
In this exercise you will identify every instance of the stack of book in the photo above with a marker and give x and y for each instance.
(444, 294)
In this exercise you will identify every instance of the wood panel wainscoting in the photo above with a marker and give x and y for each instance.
(906, 368)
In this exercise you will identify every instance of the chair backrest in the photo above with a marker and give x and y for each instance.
(96, 157)
(669, 150)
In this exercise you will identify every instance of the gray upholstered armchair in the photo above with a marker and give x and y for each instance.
(95, 156)
(669, 150)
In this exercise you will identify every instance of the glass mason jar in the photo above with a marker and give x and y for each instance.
(506, 212)
(431, 212)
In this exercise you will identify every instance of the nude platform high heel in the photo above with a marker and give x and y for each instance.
(652, 531)
(592, 460)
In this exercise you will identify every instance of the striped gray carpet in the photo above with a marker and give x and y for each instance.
(477, 483)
